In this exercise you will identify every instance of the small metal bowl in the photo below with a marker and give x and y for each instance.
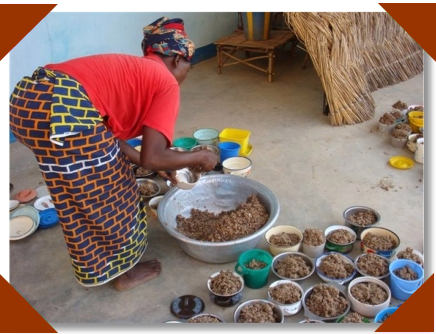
(328, 279)
(211, 148)
(363, 273)
(352, 210)
(140, 173)
(276, 309)
(150, 184)
(280, 256)
(178, 149)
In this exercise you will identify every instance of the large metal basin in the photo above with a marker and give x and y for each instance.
(216, 193)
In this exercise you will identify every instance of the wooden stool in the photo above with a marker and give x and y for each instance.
(227, 46)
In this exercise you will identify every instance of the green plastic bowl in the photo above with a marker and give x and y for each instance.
(185, 142)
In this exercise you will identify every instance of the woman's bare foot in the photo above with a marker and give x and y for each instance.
(139, 274)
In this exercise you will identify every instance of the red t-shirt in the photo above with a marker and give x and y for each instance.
(132, 91)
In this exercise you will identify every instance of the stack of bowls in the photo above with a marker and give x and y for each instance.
(23, 222)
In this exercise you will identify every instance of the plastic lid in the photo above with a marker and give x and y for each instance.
(401, 162)
(48, 218)
(25, 195)
(20, 227)
(187, 306)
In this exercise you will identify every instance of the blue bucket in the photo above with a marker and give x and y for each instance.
(402, 289)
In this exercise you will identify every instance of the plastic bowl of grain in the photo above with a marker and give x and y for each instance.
(410, 254)
(368, 295)
(384, 314)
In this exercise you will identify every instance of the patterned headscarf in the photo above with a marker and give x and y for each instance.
(167, 37)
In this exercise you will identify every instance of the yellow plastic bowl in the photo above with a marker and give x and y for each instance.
(239, 136)
(416, 120)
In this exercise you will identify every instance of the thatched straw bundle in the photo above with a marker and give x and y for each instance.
(355, 54)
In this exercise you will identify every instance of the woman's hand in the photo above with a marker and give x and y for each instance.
(207, 161)
(167, 176)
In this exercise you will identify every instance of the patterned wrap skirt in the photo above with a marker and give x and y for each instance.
(89, 178)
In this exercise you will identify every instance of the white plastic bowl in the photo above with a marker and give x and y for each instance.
(368, 310)
(153, 205)
(186, 179)
(419, 254)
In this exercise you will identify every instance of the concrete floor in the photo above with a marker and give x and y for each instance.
(316, 171)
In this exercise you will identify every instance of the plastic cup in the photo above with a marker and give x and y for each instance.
(228, 149)
(254, 278)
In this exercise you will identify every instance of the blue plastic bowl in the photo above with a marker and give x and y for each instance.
(387, 311)
(134, 142)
